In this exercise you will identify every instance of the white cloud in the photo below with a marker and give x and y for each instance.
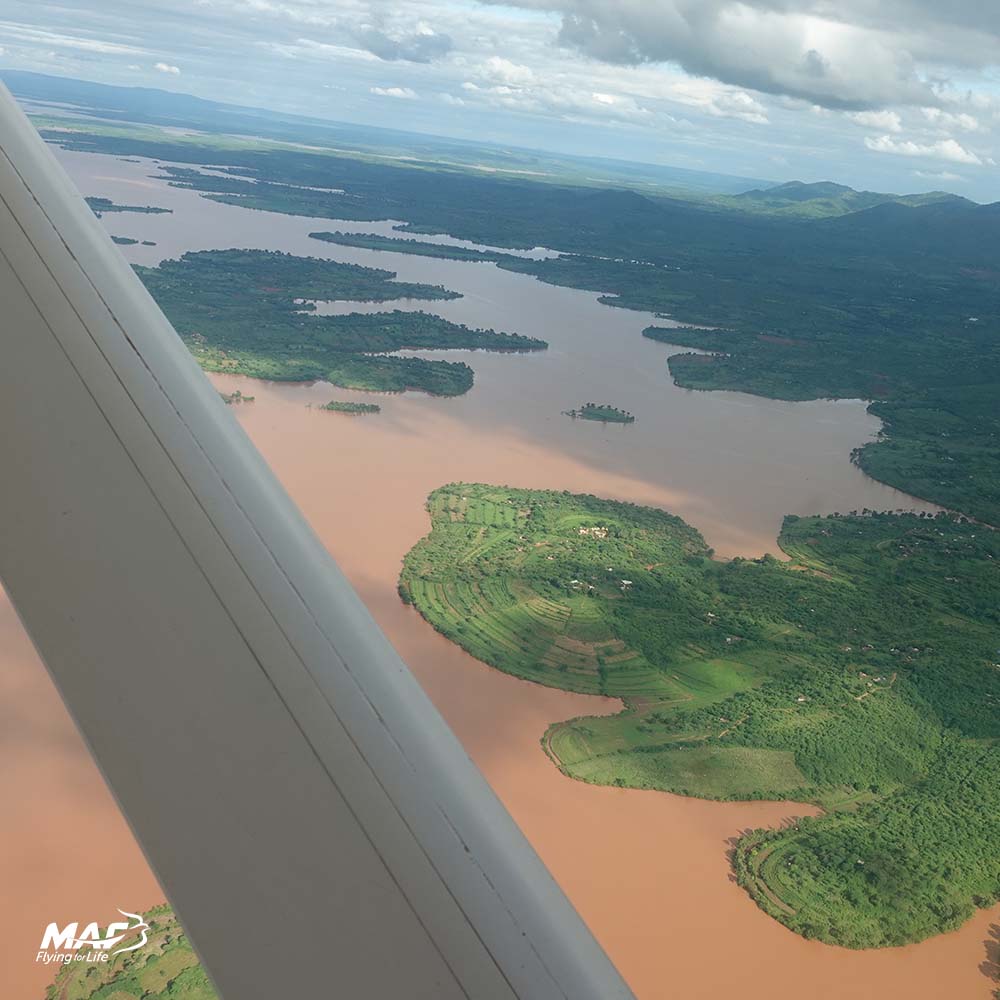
(888, 121)
(844, 54)
(762, 88)
(943, 149)
(423, 45)
(162, 67)
(313, 49)
(947, 121)
(402, 93)
(42, 36)
(717, 100)
(507, 72)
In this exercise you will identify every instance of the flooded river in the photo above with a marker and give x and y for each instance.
(648, 871)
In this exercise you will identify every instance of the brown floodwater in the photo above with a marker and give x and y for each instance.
(648, 871)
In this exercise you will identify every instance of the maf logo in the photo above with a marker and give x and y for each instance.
(66, 944)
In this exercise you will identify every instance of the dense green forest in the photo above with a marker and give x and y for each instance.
(862, 674)
(249, 312)
(893, 300)
(604, 412)
(166, 968)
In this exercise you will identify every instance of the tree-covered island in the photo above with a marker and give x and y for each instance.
(343, 406)
(604, 412)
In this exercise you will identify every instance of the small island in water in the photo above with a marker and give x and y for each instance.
(235, 397)
(604, 412)
(340, 406)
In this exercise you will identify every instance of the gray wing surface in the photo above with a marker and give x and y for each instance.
(317, 827)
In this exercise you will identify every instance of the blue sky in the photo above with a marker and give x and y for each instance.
(900, 95)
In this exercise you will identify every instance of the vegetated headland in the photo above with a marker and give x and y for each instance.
(860, 675)
(421, 248)
(100, 206)
(248, 312)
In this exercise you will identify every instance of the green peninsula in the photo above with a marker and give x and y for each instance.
(251, 312)
(99, 206)
(862, 675)
(420, 248)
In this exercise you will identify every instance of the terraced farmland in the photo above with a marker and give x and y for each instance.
(854, 676)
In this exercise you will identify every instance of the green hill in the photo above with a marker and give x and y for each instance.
(824, 199)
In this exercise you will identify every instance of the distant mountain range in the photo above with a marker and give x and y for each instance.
(825, 198)
(146, 105)
(628, 190)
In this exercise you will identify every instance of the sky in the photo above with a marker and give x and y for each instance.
(889, 95)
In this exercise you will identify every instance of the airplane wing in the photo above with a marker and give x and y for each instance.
(318, 828)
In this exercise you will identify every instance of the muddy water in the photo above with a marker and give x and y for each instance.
(648, 871)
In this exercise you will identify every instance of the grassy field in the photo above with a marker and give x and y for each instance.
(860, 675)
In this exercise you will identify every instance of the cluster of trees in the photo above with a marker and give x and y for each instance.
(236, 397)
(165, 968)
(899, 869)
(863, 675)
(340, 406)
(249, 312)
(604, 412)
